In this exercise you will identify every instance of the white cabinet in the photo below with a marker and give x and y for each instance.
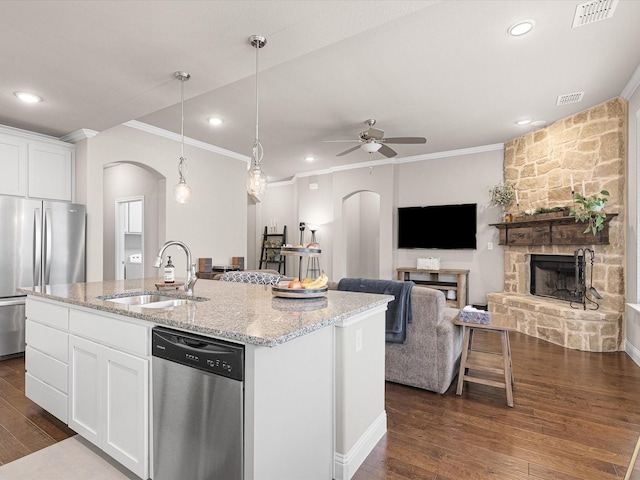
(46, 379)
(13, 165)
(92, 371)
(109, 388)
(134, 224)
(50, 172)
(108, 401)
(35, 166)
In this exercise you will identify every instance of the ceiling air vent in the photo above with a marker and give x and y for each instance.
(570, 98)
(593, 11)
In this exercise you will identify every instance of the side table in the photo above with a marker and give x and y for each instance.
(485, 361)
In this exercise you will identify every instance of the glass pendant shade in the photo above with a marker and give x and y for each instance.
(182, 191)
(257, 183)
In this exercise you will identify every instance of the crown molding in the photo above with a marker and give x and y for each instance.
(632, 85)
(78, 135)
(188, 141)
(18, 132)
(416, 158)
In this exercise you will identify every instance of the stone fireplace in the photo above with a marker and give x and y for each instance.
(588, 147)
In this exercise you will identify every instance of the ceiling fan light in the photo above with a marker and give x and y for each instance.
(371, 147)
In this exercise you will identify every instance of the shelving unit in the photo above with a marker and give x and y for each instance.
(270, 257)
(460, 285)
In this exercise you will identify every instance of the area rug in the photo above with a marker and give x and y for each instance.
(70, 459)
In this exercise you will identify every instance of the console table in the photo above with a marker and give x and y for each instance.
(460, 286)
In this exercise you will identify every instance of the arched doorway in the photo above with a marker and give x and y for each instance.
(122, 182)
(361, 227)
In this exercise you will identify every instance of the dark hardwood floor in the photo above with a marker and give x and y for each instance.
(576, 416)
(24, 427)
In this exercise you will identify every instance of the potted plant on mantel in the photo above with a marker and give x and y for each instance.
(502, 194)
(590, 210)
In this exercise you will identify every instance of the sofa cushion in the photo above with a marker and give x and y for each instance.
(261, 278)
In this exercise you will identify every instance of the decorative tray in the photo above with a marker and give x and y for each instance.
(300, 251)
(285, 292)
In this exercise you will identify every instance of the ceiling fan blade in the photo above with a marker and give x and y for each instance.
(352, 149)
(405, 140)
(340, 141)
(386, 151)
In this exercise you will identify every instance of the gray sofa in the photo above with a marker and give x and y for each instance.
(430, 357)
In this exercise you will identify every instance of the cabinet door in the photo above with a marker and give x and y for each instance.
(86, 360)
(13, 165)
(50, 172)
(126, 434)
(135, 217)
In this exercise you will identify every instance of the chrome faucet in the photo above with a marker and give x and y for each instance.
(192, 278)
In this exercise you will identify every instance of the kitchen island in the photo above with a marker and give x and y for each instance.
(314, 370)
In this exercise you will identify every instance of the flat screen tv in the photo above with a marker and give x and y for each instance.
(438, 226)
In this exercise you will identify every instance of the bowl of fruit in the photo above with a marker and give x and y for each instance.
(306, 288)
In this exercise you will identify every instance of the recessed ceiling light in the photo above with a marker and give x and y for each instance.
(309, 159)
(215, 121)
(524, 121)
(28, 97)
(520, 28)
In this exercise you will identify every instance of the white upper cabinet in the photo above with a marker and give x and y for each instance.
(13, 165)
(35, 166)
(50, 172)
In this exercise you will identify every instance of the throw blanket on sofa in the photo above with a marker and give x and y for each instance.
(398, 310)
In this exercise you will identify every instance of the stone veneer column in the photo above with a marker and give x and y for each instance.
(591, 146)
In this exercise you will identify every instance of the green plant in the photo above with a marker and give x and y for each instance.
(550, 210)
(502, 194)
(590, 210)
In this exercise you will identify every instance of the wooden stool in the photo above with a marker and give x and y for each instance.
(492, 362)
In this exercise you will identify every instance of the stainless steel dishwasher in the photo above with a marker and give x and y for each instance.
(198, 404)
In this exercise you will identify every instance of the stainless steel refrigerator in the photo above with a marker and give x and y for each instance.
(41, 243)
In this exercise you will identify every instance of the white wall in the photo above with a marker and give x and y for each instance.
(632, 329)
(451, 178)
(213, 224)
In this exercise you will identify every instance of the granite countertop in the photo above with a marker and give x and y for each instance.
(245, 313)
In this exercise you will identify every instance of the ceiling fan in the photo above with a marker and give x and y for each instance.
(373, 140)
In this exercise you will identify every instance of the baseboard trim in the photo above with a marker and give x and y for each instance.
(346, 465)
(632, 351)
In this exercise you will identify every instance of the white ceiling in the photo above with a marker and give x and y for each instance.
(446, 70)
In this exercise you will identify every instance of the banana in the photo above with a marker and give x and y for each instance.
(319, 282)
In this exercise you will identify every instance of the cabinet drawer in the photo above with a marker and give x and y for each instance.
(48, 340)
(47, 397)
(48, 313)
(120, 334)
(47, 369)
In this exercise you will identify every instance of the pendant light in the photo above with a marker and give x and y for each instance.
(182, 191)
(257, 179)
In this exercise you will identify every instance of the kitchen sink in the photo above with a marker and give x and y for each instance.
(138, 299)
(150, 300)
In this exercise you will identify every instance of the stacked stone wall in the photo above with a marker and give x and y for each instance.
(589, 146)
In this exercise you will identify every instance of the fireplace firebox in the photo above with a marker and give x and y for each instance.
(557, 276)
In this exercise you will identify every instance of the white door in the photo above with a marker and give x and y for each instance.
(85, 388)
(129, 240)
(126, 435)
